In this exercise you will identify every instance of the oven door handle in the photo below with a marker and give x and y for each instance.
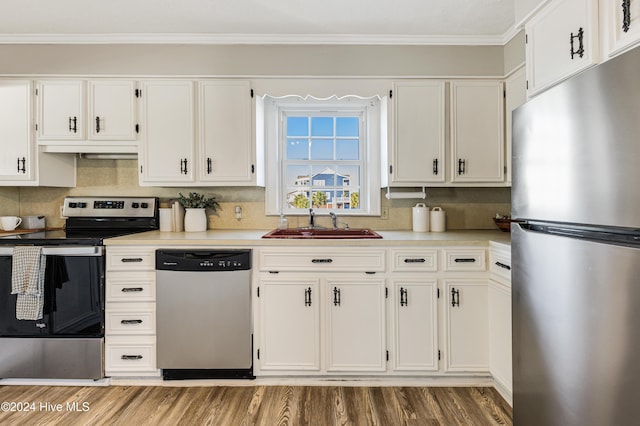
(62, 251)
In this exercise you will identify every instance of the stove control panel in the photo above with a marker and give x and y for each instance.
(109, 207)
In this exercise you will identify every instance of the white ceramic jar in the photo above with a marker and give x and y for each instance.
(420, 218)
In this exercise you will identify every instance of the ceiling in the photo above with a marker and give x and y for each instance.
(257, 21)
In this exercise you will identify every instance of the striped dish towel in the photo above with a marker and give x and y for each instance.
(27, 281)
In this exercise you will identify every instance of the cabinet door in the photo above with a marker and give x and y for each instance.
(289, 325)
(500, 334)
(112, 110)
(356, 332)
(477, 131)
(466, 326)
(167, 132)
(415, 340)
(515, 87)
(61, 110)
(562, 39)
(623, 26)
(15, 130)
(417, 154)
(226, 153)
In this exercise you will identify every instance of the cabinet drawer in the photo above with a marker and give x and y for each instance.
(322, 260)
(130, 259)
(130, 354)
(138, 319)
(465, 260)
(131, 286)
(500, 266)
(415, 260)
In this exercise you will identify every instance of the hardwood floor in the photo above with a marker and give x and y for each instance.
(252, 405)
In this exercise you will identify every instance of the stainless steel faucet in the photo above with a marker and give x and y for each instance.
(334, 220)
(311, 219)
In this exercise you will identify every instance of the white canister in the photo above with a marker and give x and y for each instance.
(438, 220)
(420, 218)
(166, 219)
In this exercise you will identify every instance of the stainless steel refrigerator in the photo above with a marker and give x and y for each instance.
(576, 256)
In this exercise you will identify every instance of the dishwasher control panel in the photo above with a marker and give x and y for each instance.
(203, 260)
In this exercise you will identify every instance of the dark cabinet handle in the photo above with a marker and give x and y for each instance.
(404, 300)
(209, 165)
(131, 259)
(132, 289)
(131, 357)
(97, 124)
(415, 260)
(129, 322)
(336, 296)
(321, 260)
(462, 166)
(22, 169)
(435, 166)
(73, 124)
(464, 260)
(626, 15)
(183, 166)
(307, 297)
(455, 297)
(580, 50)
(504, 266)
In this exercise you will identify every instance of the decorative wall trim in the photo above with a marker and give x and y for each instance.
(298, 39)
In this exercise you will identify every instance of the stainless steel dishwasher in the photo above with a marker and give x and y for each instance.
(203, 319)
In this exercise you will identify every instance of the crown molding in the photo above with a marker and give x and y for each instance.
(265, 39)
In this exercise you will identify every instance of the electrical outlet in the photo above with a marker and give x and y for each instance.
(385, 213)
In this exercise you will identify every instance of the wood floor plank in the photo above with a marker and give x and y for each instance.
(257, 405)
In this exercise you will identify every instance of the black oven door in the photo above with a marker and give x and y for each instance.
(73, 290)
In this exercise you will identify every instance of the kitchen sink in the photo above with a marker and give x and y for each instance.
(323, 233)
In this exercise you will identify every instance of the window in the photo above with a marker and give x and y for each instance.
(323, 154)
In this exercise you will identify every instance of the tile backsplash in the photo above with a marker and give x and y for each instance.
(466, 208)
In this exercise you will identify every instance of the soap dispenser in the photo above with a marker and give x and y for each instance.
(283, 223)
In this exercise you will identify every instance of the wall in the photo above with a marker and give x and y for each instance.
(514, 53)
(467, 208)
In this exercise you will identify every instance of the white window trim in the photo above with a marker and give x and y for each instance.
(375, 110)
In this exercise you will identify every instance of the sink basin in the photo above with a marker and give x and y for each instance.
(352, 233)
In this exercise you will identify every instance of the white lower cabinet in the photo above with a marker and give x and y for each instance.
(414, 323)
(290, 324)
(466, 325)
(317, 315)
(355, 324)
(130, 312)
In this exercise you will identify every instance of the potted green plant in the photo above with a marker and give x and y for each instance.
(195, 218)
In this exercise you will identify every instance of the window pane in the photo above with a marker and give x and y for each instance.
(322, 176)
(321, 126)
(298, 199)
(297, 126)
(347, 126)
(348, 176)
(322, 149)
(347, 149)
(297, 176)
(320, 198)
(297, 149)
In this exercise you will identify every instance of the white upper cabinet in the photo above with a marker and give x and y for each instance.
(21, 163)
(167, 148)
(562, 39)
(477, 142)
(418, 143)
(112, 110)
(226, 154)
(622, 23)
(87, 116)
(515, 95)
(61, 110)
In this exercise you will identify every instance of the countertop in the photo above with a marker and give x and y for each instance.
(254, 238)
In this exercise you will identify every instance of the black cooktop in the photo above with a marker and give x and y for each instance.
(61, 237)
